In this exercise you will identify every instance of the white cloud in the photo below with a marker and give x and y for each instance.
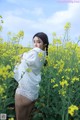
(12, 22)
(38, 11)
(54, 23)
(64, 16)
(57, 21)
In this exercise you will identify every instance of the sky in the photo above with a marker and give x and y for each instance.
(34, 16)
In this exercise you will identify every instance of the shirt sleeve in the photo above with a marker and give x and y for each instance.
(32, 59)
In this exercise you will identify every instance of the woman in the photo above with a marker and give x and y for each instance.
(28, 76)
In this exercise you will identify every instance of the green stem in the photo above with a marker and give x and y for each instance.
(66, 116)
(63, 116)
(48, 94)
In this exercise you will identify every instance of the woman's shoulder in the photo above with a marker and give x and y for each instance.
(29, 53)
(38, 50)
(33, 52)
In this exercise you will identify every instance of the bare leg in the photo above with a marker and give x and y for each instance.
(23, 107)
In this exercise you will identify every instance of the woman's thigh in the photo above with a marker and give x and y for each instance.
(23, 107)
(21, 100)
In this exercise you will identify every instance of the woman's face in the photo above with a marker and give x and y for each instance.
(38, 43)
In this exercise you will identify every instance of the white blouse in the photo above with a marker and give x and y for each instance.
(28, 73)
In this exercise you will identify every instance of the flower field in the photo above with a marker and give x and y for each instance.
(60, 86)
(59, 97)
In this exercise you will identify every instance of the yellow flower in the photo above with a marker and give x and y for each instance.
(52, 80)
(67, 26)
(68, 70)
(11, 74)
(74, 79)
(62, 92)
(1, 72)
(11, 118)
(28, 70)
(20, 34)
(1, 90)
(62, 77)
(64, 83)
(72, 109)
(8, 67)
(40, 55)
(56, 85)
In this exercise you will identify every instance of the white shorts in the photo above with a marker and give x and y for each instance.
(27, 94)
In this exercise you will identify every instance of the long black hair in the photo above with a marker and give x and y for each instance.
(43, 36)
